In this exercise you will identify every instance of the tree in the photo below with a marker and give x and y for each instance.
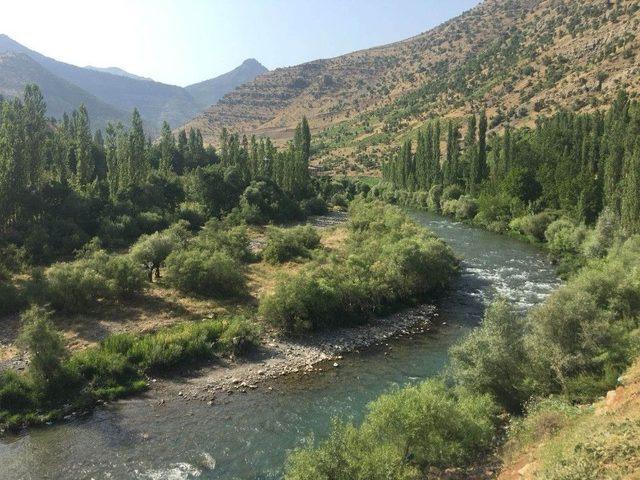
(167, 148)
(631, 191)
(85, 168)
(45, 345)
(35, 129)
(152, 250)
(138, 162)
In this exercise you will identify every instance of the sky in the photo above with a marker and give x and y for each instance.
(186, 41)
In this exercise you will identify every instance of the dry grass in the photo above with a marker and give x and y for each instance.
(600, 442)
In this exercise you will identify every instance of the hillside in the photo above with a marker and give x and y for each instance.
(519, 58)
(207, 93)
(16, 70)
(117, 71)
(592, 442)
(117, 90)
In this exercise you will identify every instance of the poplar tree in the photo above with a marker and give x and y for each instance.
(138, 162)
(167, 148)
(84, 159)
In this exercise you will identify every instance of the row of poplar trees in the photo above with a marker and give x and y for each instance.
(424, 167)
(578, 163)
(36, 150)
(257, 159)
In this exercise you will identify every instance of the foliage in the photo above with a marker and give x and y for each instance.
(204, 272)
(291, 243)
(389, 260)
(403, 433)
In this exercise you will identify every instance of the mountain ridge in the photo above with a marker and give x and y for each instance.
(157, 102)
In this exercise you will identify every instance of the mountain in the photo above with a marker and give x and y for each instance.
(18, 69)
(115, 91)
(117, 71)
(207, 93)
(518, 58)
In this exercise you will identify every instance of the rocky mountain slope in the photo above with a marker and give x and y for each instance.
(156, 101)
(517, 58)
(207, 93)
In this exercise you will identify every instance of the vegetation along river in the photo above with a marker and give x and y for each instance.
(247, 436)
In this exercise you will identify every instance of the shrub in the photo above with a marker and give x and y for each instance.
(601, 239)
(451, 192)
(288, 244)
(240, 336)
(209, 273)
(466, 208)
(74, 286)
(11, 299)
(389, 260)
(449, 207)
(233, 240)
(314, 206)
(435, 196)
(404, 432)
(586, 333)
(561, 237)
(50, 377)
(534, 226)
(492, 358)
(125, 276)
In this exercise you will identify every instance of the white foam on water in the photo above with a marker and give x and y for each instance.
(176, 471)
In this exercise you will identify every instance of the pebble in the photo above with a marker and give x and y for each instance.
(335, 364)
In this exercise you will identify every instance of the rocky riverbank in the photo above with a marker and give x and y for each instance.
(277, 357)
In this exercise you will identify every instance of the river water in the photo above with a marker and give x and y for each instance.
(247, 436)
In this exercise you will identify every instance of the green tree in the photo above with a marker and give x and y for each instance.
(167, 148)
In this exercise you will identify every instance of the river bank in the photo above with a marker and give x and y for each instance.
(277, 357)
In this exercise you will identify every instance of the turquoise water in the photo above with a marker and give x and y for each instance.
(248, 436)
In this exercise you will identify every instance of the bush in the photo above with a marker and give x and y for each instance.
(203, 272)
(586, 333)
(534, 226)
(561, 236)
(449, 207)
(314, 206)
(220, 235)
(240, 336)
(403, 433)
(466, 208)
(435, 196)
(11, 299)
(451, 192)
(125, 276)
(74, 286)
(492, 359)
(601, 239)
(288, 244)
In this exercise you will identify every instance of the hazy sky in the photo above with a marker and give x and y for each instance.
(182, 42)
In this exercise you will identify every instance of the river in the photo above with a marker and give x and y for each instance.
(247, 437)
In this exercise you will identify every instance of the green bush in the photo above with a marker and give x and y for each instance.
(466, 208)
(220, 235)
(239, 336)
(451, 192)
(74, 286)
(389, 260)
(562, 237)
(534, 226)
(291, 243)
(11, 299)
(449, 207)
(204, 272)
(403, 433)
(492, 358)
(435, 196)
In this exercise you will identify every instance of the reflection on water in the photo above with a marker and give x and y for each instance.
(247, 436)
